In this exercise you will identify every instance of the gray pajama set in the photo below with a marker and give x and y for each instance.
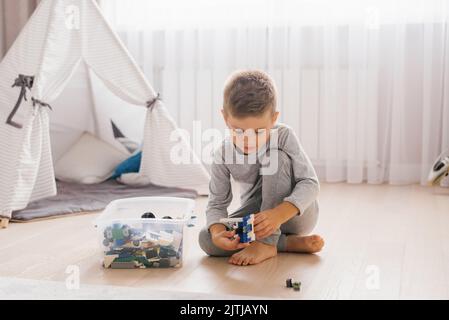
(280, 171)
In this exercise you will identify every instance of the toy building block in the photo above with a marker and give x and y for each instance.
(165, 252)
(150, 254)
(244, 227)
(108, 259)
(296, 286)
(165, 238)
(4, 222)
(117, 234)
(148, 215)
(174, 262)
(123, 265)
(289, 283)
(164, 263)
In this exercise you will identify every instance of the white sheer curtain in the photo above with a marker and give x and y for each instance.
(365, 84)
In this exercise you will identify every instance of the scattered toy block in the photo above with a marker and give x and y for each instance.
(296, 286)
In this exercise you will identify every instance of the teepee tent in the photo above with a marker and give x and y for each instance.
(66, 73)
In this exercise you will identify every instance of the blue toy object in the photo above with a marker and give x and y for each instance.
(244, 227)
(132, 164)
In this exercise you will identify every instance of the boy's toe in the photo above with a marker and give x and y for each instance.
(240, 260)
(234, 259)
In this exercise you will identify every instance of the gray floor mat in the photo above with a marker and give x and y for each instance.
(76, 198)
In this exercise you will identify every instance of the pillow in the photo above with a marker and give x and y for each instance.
(132, 164)
(89, 160)
(129, 144)
(134, 179)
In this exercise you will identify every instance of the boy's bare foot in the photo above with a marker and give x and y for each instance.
(307, 244)
(255, 253)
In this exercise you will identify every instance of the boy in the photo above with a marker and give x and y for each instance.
(284, 199)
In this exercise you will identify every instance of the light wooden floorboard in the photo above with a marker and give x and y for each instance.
(397, 234)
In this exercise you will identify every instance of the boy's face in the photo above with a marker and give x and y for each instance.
(250, 133)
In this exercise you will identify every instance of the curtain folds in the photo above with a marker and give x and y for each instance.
(364, 83)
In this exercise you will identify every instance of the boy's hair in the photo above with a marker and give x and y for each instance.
(249, 93)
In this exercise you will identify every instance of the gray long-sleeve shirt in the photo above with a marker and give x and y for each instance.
(247, 174)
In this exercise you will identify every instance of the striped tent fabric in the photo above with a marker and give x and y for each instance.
(61, 38)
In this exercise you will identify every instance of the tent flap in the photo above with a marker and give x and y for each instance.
(53, 51)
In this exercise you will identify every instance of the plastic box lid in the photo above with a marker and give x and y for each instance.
(132, 209)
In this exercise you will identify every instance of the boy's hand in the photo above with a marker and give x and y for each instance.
(227, 240)
(266, 222)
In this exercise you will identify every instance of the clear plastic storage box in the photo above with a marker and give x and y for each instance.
(132, 238)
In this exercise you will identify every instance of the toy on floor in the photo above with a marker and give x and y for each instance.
(244, 227)
(129, 247)
(440, 169)
(296, 285)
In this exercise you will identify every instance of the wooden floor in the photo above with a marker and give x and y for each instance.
(381, 242)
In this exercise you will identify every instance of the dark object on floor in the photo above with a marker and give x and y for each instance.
(148, 215)
(73, 198)
(296, 286)
(167, 217)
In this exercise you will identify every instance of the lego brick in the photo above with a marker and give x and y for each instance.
(143, 261)
(123, 265)
(243, 227)
(127, 259)
(174, 261)
(147, 244)
(108, 259)
(151, 254)
(148, 215)
(164, 263)
(296, 286)
(166, 252)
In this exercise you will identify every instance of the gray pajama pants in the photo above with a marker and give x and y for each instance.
(274, 188)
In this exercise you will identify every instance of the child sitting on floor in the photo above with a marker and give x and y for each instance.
(276, 177)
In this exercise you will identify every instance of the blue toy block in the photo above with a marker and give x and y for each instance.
(243, 226)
